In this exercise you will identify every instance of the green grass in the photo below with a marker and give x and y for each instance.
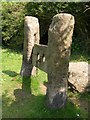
(77, 57)
(17, 103)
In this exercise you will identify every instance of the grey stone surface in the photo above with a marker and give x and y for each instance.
(59, 44)
(79, 76)
(31, 36)
(39, 57)
(53, 59)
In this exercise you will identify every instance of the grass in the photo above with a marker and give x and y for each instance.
(80, 57)
(21, 104)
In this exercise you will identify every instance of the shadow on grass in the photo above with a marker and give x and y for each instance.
(10, 73)
(13, 49)
(84, 100)
(24, 104)
(30, 106)
(26, 85)
(27, 105)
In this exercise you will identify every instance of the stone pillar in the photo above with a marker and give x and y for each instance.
(31, 36)
(59, 44)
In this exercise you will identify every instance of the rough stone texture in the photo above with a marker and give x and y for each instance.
(39, 57)
(59, 43)
(31, 36)
(80, 76)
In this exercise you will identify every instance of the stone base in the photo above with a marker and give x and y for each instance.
(59, 101)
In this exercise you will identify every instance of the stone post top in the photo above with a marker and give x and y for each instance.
(31, 18)
(63, 16)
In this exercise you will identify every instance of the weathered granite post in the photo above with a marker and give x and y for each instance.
(59, 43)
(31, 36)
